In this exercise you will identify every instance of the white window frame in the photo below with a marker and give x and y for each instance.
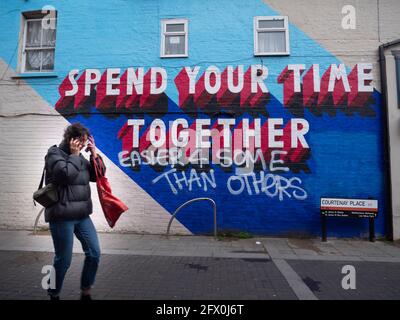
(257, 30)
(24, 49)
(164, 33)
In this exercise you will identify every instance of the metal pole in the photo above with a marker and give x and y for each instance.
(372, 229)
(190, 201)
(37, 220)
(323, 225)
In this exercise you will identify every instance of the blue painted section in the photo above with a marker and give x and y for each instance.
(346, 157)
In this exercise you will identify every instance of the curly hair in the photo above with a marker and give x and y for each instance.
(75, 130)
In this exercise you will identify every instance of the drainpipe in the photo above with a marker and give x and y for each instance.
(386, 137)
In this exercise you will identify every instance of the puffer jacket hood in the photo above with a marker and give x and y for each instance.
(71, 174)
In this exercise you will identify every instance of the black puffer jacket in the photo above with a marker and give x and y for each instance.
(72, 174)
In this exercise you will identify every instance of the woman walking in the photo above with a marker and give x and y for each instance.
(71, 173)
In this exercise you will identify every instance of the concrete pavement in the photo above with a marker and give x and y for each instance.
(197, 267)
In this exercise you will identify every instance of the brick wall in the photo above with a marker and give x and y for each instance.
(128, 34)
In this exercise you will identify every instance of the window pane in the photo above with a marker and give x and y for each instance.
(271, 24)
(271, 41)
(48, 60)
(174, 45)
(33, 33)
(32, 62)
(49, 37)
(179, 27)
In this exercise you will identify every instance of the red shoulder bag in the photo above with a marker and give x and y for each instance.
(111, 205)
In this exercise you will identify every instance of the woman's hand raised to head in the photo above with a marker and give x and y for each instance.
(91, 146)
(75, 146)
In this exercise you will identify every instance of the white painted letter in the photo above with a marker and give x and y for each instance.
(200, 133)
(136, 123)
(273, 132)
(153, 80)
(192, 78)
(297, 71)
(111, 80)
(298, 134)
(157, 143)
(183, 134)
(89, 80)
(338, 73)
(364, 71)
(258, 81)
(207, 83)
(71, 77)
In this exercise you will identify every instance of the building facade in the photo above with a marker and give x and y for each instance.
(265, 107)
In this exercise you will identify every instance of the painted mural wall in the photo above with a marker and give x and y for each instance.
(264, 137)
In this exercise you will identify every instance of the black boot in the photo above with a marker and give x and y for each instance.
(55, 298)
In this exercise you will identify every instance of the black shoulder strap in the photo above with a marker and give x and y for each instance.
(42, 179)
(44, 169)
